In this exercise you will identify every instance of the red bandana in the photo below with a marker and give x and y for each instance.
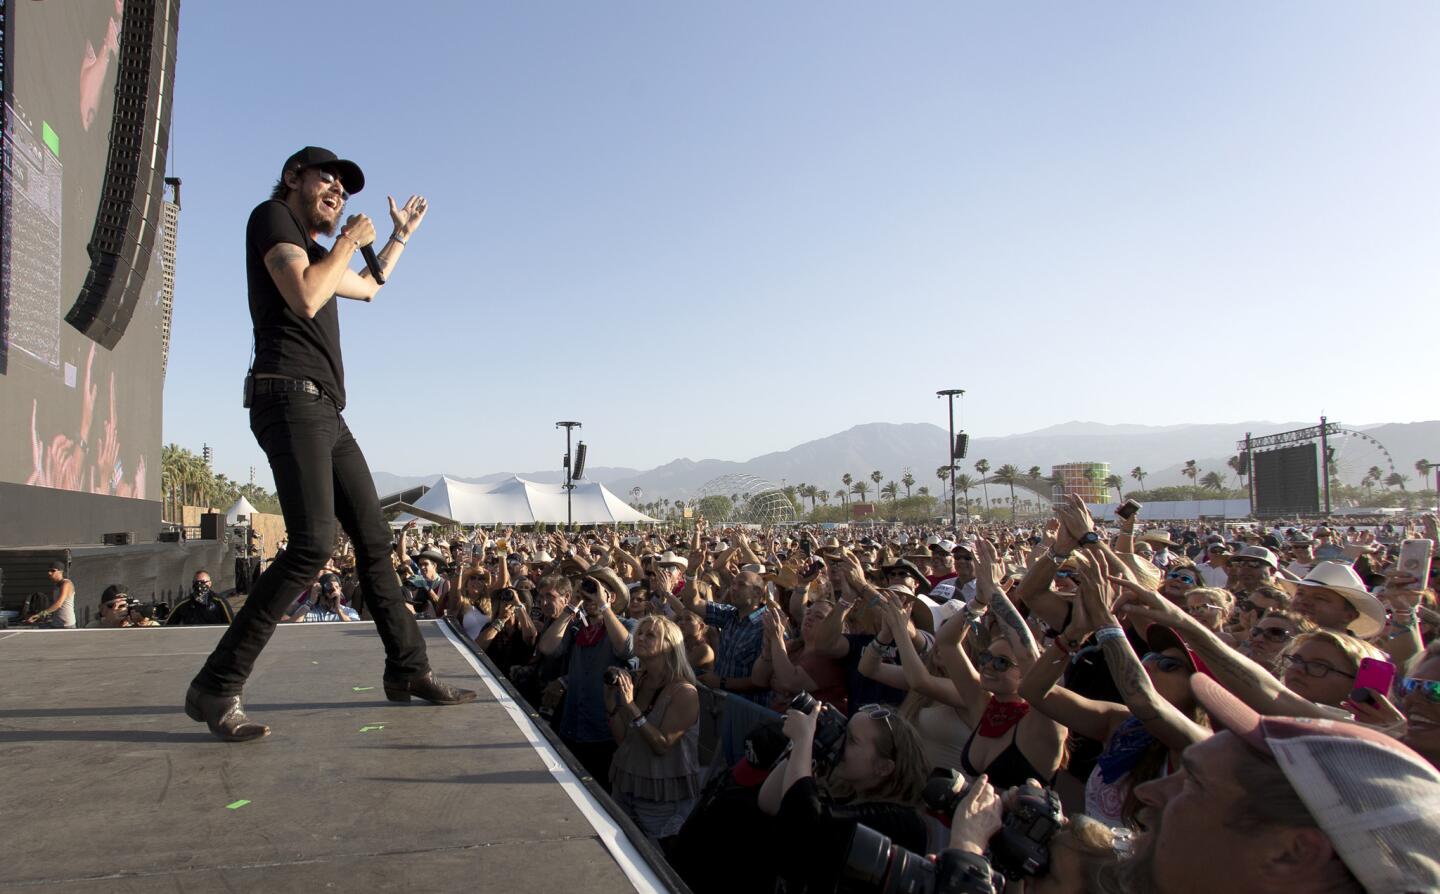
(589, 636)
(1000, 716)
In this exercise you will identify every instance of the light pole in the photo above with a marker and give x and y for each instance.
(950, 449)
(569, 484)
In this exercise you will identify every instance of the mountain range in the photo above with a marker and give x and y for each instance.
(921, 447)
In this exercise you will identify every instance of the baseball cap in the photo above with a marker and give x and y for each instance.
(351, 177)
(1376, 800)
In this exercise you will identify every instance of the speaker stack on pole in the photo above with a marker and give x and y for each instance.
(129, 212)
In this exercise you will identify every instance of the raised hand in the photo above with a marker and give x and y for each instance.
(1137, 602)
(407, 219)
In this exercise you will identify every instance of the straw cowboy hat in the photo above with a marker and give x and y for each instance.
(1341, 579)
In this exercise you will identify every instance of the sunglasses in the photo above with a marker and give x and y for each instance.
(329, 177)
(1245, 605)
(998, 663)
(1248, 563)
(879, 712)
(1274, 634)
(1202, 608)
(1182, 576)
(1315, 669)
(1430, 689)
(1164, 663)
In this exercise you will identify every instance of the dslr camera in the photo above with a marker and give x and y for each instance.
(1019, 850)
(829, 729)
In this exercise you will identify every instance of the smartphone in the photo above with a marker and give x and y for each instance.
(1375, 674)
(1128, 509)
(758, 613)
(1415, 559)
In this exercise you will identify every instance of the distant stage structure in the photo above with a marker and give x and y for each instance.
(747, 501)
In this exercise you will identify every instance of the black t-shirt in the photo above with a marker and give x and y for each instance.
(286, 343)
(861, 689)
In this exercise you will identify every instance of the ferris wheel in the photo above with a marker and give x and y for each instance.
(1356, 457)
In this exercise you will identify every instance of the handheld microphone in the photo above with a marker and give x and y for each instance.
(373, 263)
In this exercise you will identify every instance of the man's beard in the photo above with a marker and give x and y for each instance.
(318, 217)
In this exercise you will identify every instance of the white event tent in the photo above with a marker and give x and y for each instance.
(516, 501)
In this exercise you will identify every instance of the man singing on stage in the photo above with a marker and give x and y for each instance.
(295, 394)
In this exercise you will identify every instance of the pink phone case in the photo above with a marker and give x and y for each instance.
(1375, 674)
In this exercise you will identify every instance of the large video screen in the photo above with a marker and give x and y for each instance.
(1287, 482)
(76, 416)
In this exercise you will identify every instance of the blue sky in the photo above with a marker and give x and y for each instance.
(717, 230)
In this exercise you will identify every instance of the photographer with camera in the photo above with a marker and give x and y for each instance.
(114, 608)
(328, 603)
(874, 772)
(591, 637)
(509, 635)
(655, 719)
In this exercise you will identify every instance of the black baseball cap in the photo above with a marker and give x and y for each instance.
(351, 177)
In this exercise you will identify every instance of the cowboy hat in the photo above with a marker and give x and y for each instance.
(669, 558)
(831, 548)
(434, 556)
(1341, 579)
(1158, 536)
(543, 557)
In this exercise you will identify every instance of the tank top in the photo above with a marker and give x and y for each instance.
(943, 734)
(1105, 801)
(65, 614)
(641, 773)
(1009, 768)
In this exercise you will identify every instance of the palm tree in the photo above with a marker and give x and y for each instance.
(1034, 472)
(1139, 475)
(877, 477)
(861, 489)
(847, 479)
(823, 496)
(963, 484)
(1395, 479)
(1191, 470)
(907, 479)
(1115, 482)
(1213, 481)
(1423, 467)
(943, 473)
(891, 490)
(922, 491)
(1009, 474)
(982, 467)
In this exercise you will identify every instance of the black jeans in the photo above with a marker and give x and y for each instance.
(320, 476)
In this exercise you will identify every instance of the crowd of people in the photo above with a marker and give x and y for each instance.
(1268, 690)
(1128, 706)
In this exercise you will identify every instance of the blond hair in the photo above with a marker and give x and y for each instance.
(1356, 650)
(677, 663)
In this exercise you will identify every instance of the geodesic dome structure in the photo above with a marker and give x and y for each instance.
(753, 501)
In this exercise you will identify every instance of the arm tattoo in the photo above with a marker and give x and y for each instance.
(1005, 610)
(282, 256)
(1130, 678)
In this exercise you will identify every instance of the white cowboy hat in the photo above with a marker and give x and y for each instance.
(1341, 579)
(669, 558)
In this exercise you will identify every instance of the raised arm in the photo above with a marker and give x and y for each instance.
(1162, 719)
(1248, 681)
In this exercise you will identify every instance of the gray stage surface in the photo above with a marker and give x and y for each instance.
(108, 786)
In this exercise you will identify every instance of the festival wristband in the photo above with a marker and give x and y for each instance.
(1105, 634)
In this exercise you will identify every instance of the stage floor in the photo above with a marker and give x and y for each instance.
(109, 787)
